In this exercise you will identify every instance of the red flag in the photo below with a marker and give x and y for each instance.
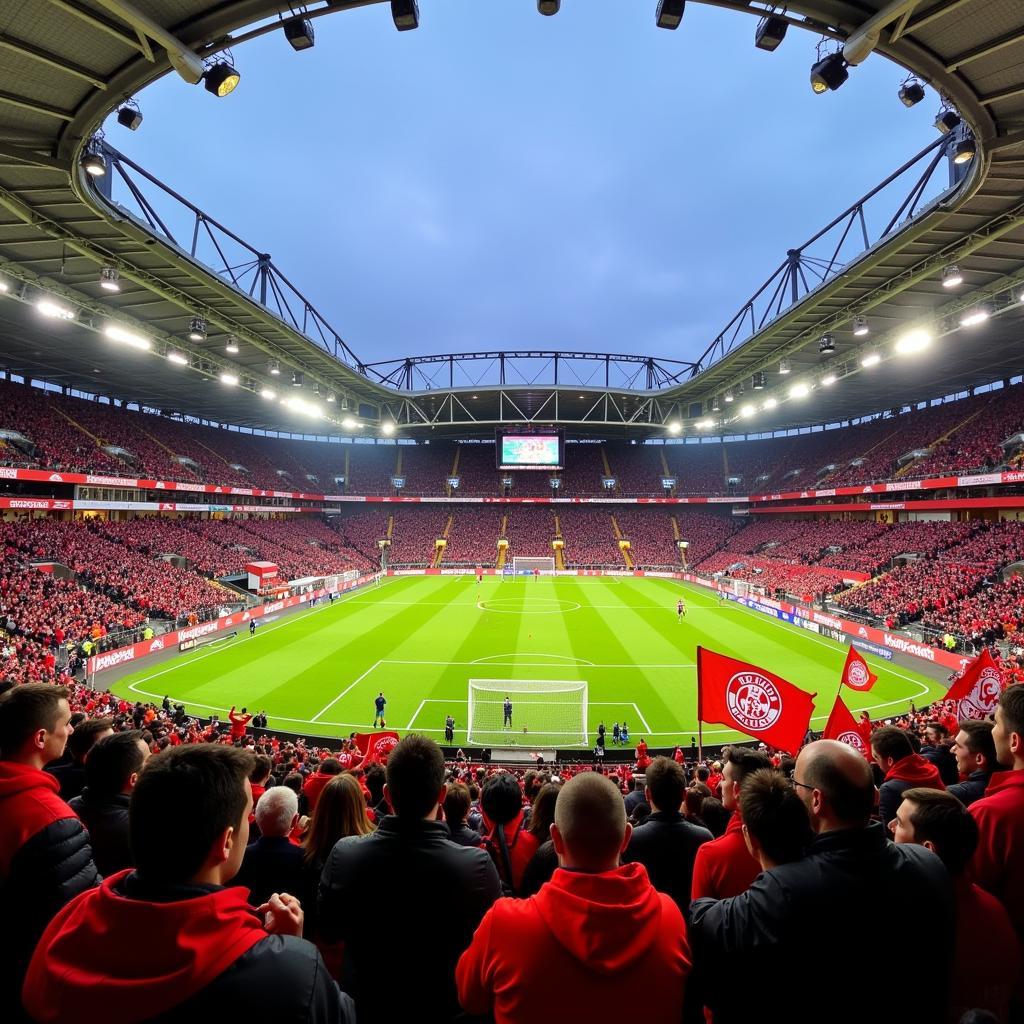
(842, 726)
(375, 746)
(752, 701)
(978, 689)
(856, 674)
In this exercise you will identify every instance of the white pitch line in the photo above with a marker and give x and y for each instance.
(415, 715)
(531, 664)
(647, 727)
(327, 707)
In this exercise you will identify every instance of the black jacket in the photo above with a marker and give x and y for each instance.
(463, 835)
(106, 819)
(666, 844)
(71, 777)
(816, 921)
(972, 788)
(943, 758)
(271, 864)
(405, 899)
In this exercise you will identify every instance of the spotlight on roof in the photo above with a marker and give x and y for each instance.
(728, 396)
(669, 13)
(799, 390)
(913, 341)
(871, 359)
(228, 378)
(174, 356)
(828, 380)
(331, 396)
(747, 410)
(54, 310)
(129, 116)
(829, 73)
(827, 345)
(716, 406)
(4, 286)
(548, 7)
(231, 345)
(947, 120)
(770, 403)
(975, 315)
(275, 367)
(94, 163)
(860, 327)
(951, 276)
(705, 424)
(297, 380)
(965, 151)
(674, 427)
(197, 329)
(221, 79)
(405, 14)
(268, 393)
(109, 279)
(784, 366)
(348, 423)
(911, 92)
(120, 334)
(759, 380)
(387, 427)
(299, 33)
(771, 30)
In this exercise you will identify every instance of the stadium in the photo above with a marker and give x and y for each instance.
(241, 542)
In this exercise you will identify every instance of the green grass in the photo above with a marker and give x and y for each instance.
(421, 639)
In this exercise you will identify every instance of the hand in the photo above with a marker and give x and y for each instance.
(282, 915)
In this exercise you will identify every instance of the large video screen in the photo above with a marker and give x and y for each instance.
(529, 451)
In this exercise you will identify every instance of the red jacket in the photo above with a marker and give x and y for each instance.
(29, 802)
(724, 867)
(238, 724)
(987, 963)
(584, 945)
(998, 865)
(313, 787)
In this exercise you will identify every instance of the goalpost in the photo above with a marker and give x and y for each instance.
(526, 566)
(545, 712)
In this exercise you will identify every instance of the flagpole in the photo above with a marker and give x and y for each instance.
(700, 721)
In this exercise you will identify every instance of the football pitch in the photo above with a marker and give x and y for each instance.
(421, 639)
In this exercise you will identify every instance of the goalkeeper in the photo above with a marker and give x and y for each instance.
(507, 710)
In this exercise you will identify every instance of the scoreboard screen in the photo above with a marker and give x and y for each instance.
(530, 451)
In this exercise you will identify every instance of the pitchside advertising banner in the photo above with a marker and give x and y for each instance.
(166, 641)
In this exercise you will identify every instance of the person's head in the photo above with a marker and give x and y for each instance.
(739, 763)
(330, 766)
(276, 812)
(340, 811)
(34, 723)
(703, 773)
(937, 820)
(501, 799)
(835, 784)
(590, 829)
(415, 778)
(374, 779)
(114, 764)
(666, 784)
(714, 815)
(202, 792)
(293, 780)
(775, 822)
(261, 770)
(1008, 734)
(543, 812)
(86, 735)
(889, 745)
(456, 804)
(974, 748)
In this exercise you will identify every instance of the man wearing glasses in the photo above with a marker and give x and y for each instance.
(820, 911)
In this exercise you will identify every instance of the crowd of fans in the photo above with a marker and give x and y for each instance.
(559, 891)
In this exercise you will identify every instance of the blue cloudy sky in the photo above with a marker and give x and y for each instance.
(497, 179)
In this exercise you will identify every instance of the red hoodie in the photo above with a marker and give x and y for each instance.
(90, 966)
(917, 771)
(29, 802)
(522, 845)
(583, 945)
(998, 865)
(724, 867)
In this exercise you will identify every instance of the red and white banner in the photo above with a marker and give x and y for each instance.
(842, 726)
(977, 690)
(856, 674)
(752, 701)
(375, 746)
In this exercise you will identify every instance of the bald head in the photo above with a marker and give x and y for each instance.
(590, 823)
(836, 785)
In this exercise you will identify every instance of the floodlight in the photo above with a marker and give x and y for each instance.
(93, 163)
(117, 333)
(947, 120)
(871, 359)
(174, 356)
(228, 378)
(829, 73)
(197, 329)
(405, 14)
(913, 341)
(348, 423)
(799, 390)
(966, 150)
(860, 327)
(387, 427)
(110, 279)
(54, 310)
(716, 406)
(951, 276)
(129, 116)
(331, 396)
(771, 30)
(299, 32)
(275, 367)
(770, 403)
(784, 366)
(548, 7)
(759, 380)
(268, 393)
(976, 315)
(827, 345)
(728, 396)
(221, 79)
(828, 380)
(911, 92)
(674, 427)
(231, 345)
(669, 13)
(296, 379)
(747, 410)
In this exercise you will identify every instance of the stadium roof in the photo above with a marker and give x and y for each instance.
(66, 64)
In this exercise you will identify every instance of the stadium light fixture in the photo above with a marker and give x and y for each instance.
(770, 403)
(120, 334)
(297, 379)
(966, 150)
(799, 390)
(747, 410)
(947, 120)
(174, 356)
(231, 345)
(348, 423)
(827, 345)
(913, 341)
(784, 367)
(4, 286)
(110, 279)
(275, 368)
(387, 427)
(771, 30)
(829, 73)
(129, 116)
(299, 33)
(268, 393)
(705, 424)
(54, 310)
(759, 380)
(911, 92)
(951, 276)
(228, 378)
(221, 78)
(331, 397)
(94, 163)
(548, 7)
(828, 380)
(861, 329)
(197, 328)
(976, 315)
(669, 13)
(871, 359)
(728, 396)
(674, 427)
(405, 14)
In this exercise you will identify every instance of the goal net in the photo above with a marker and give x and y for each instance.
(526, 566)
(544, 713)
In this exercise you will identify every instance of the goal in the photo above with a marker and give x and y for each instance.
(545, 713)
(526, 566)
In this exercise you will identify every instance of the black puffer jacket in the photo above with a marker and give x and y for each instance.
(106, 818)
